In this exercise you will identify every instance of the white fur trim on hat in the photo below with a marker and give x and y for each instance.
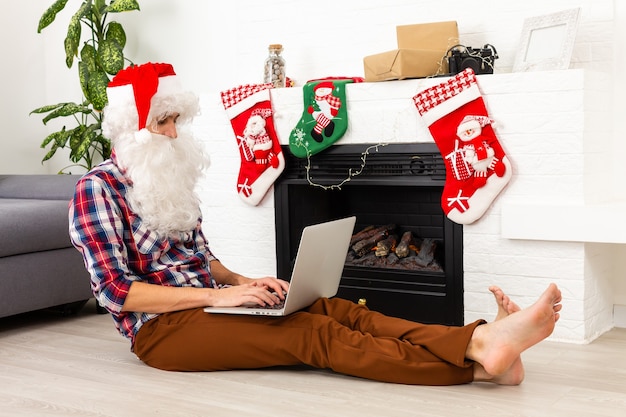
(123, 95)
(143, 136)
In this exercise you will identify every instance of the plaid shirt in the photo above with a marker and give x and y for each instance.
(119, 249)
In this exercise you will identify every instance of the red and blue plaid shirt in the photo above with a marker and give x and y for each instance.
(118, 248)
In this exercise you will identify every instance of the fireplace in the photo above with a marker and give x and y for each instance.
(399, 185)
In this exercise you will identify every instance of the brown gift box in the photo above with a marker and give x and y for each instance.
(399, 64)
(421, 52)
(438, 36)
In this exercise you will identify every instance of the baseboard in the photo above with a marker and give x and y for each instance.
(619, 315)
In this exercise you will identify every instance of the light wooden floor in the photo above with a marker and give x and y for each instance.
(80, 366)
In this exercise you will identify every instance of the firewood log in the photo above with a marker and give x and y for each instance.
(370, 231)
(361, 234)
(427, 251)
(366, 260)
(386, 245)
(402, 250)
(366, 245)
(392, 259)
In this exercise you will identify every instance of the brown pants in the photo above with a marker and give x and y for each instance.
(335, 334)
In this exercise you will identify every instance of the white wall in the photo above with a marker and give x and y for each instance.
(218, 47)
(619, 140)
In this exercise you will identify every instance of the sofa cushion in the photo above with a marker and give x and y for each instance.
(43, 187)
(29, 225)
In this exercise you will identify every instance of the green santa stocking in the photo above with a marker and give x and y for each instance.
(325, 116)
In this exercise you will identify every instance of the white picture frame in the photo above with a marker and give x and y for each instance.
(547, 41)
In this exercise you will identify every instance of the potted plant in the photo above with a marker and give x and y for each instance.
(101, 56)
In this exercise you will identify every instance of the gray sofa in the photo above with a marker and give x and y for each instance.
(39, 268)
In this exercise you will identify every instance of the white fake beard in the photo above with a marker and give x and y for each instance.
(164, 173)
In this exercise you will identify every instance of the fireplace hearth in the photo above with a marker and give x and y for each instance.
(400, 186)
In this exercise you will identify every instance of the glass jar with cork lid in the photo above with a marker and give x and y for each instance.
(275, 66)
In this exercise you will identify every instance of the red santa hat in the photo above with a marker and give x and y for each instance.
(473, 122)
(151, 89)
(324, 84)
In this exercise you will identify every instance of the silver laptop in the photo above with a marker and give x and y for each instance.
(316, 272)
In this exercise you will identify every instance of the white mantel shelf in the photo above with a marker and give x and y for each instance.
(604, 223)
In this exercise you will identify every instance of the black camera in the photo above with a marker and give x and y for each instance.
(480, 60)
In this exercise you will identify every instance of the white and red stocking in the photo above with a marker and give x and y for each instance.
(250, 112)
(477, 168)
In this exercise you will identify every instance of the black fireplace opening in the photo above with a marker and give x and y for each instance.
(398, 192)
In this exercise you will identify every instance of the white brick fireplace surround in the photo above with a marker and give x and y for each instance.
(556, 221)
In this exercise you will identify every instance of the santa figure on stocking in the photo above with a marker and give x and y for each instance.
(477, 151)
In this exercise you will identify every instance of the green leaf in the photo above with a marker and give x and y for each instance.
(46, 109)
(100, 6)
(110, 56)
(83, 77)
(76, 137)
(50, 154)
(97, 88)
(50, 14)
(115, 32)
(94, 82)
(73, 33)
(69, 54)
(67, 109)
(61, 140)
(82, 142)
(117, 6)
(89, 138)
(87, 65)
(105, 145)
(58, 137)
(102, 140)
(88, 55)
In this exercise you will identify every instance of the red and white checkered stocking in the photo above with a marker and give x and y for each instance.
(262, 161)
(477, 168)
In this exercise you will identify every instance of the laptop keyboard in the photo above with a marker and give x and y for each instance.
(278, 306)
(269, 307)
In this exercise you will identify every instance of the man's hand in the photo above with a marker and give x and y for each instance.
(261, 291)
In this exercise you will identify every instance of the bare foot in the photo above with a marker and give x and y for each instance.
(497, 346)
(515, 374)
(505, 305)
(512, 376)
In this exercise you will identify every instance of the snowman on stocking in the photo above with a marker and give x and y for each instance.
(477, 169)
(325, 117)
